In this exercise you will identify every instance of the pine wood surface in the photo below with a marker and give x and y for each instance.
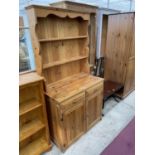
(63, 38)
(61, 46)
(36, 147)
(120, 50)
(31, 77)
(73, 6)
(29, 105)
(71, 118)
(30, 129)
(68, 54)
(33, 126)
(70, 86)
(44, 11)
(94, 102)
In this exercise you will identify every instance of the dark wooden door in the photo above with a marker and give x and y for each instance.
(120, 49)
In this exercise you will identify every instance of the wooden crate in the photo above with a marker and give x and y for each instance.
(85, 8)
(34, 136)
(119, 50)
(60, 41)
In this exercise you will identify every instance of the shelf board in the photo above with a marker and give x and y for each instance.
(29, 105)
(30, 129)
(64, 38)
(45, 66)
(38, 146)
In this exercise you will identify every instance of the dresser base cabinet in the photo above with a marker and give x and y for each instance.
(69, 118)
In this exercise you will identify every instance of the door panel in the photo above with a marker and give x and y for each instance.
(94, 108)
(73, 120)
(130, 77)
(118, 46)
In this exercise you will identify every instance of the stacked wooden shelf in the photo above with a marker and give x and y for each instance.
(29, 105)
(85, 8)
(73, 96)
(33, 131)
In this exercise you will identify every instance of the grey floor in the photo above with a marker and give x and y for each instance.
(117, 116)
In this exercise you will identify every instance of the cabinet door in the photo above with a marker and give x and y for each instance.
(118, 46)
(94, 100)
(130, 69)
(130, 77)
(74, 121)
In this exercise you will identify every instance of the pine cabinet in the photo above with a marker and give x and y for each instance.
(33, 127)
(74, 106)
(61, 46)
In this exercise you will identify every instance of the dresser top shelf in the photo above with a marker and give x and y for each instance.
(70, 86)
(49, 7)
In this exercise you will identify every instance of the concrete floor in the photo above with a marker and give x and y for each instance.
(117, 116)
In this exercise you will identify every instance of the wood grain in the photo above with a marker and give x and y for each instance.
(61, 46)
(120, 49)
(94, 101)
(84, 8)
(33, 126)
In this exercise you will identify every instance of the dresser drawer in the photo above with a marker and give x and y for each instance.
(73, 101)
(94, 89)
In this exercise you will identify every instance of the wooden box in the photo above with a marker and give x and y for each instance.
(33, 127)
(74, 97)
(118, 47)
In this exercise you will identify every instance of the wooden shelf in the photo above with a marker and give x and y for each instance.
(30, 128)
(36, 147)
(33, 125)
(65, 38)
(28, 106)
(63, 62)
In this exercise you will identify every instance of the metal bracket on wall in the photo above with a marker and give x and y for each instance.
(99, 71)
